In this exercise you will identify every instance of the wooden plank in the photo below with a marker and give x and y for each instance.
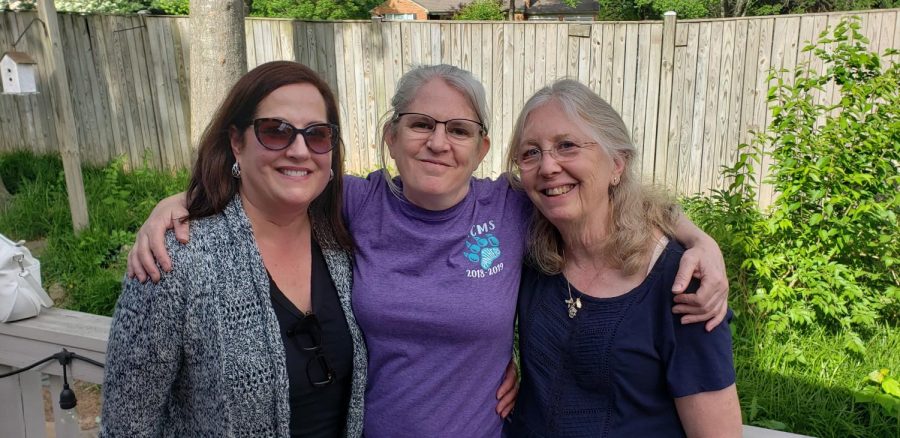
(498, 73)
(550, 72)
(351, 50)
(651, 94)
(619, 52)
(97, 87)
(540, 57)
(681, 173)
(749, 91)
(572, 57)
(21, 403)
(596, 57)
(606, 73)
(518, 80)
(584, 60)
(508, 108)
(731, 139)
(344, 66)
(406, 54)
(689, 181)
(416, 33)
(664, 126)
(369, 103)
(562, 46)
(761, 109)
(630, 78)
(183, 92)
(638, 83)
(709, 162)
(530, 50)
(436, 44)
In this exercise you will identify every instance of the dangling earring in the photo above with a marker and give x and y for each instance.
(236, 170)
(331, 176)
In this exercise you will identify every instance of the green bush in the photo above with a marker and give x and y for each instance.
(827, 251)
(101, 6)
(171, 7)
(88, 266)
(883, 389)
(481, 10)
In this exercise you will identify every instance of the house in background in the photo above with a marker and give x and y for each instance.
(555, 10)
(418, 9)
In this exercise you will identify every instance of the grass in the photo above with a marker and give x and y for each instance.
(89, 266)
(801, 382)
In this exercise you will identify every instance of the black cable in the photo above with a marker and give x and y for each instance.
(67, 398)
(46, 359)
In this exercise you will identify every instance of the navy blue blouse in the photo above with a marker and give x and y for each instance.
(615, 369)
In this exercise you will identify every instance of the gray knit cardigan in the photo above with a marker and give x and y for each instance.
(200, 353)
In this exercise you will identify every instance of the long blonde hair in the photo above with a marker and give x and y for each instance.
(636, 209)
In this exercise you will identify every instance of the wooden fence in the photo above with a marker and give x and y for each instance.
(690, 91)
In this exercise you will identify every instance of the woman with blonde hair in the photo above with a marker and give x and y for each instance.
(602, 354)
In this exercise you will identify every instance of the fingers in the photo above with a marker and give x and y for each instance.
(506, 404)
(689, 265)
(182, 229)
(134, 269)
(720, 316)
(508, 390)
(143, 258)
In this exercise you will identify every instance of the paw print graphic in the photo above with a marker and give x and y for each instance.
(483, 250)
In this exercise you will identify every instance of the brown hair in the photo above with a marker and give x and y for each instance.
(636, 209)
(212, 187)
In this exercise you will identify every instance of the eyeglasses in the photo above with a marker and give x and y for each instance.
(276, 134)
(307, 334)
(530, 156)
(460, 130)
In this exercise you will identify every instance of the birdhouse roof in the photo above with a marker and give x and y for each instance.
(19, 57)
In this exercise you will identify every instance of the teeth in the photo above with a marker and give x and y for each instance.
(294, 172)
(561, 190)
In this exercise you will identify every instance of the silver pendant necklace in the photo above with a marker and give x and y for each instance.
(572, 304)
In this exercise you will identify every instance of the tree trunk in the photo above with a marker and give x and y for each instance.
(511, 15)
(218, 57)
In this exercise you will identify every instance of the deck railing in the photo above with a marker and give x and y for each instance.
(25, 342)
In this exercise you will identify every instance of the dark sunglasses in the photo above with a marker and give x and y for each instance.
(307, 334)
(276, 134)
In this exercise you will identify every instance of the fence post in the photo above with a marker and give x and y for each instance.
(65, 117)
(665, 97)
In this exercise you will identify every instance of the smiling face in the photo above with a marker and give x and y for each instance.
(285, 181)
(575, 191)
(435, 168)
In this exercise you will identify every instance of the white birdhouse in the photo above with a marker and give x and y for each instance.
(19, 73)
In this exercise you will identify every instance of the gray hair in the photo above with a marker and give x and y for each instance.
(636, 209)
(408, 87)
(584, 107)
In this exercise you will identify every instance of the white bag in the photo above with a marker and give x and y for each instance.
(21, 294)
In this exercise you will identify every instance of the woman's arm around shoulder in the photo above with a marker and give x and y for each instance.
(143, 356)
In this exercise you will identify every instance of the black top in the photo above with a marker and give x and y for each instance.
(318, 349)
(614, 369)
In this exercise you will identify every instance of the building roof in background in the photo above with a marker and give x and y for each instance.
(537, 7)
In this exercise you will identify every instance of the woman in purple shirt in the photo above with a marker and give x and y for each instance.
(437, 264)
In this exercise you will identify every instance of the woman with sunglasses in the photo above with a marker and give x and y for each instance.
(252, 334)
(437, 262)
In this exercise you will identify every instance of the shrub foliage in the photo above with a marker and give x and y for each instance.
(828, 249)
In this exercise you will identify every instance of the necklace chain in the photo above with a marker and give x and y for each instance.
(572, 305)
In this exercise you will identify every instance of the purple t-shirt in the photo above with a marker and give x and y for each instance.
(434, 293)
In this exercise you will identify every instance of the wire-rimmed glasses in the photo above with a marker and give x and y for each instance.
(458, 130)
(529, 156)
